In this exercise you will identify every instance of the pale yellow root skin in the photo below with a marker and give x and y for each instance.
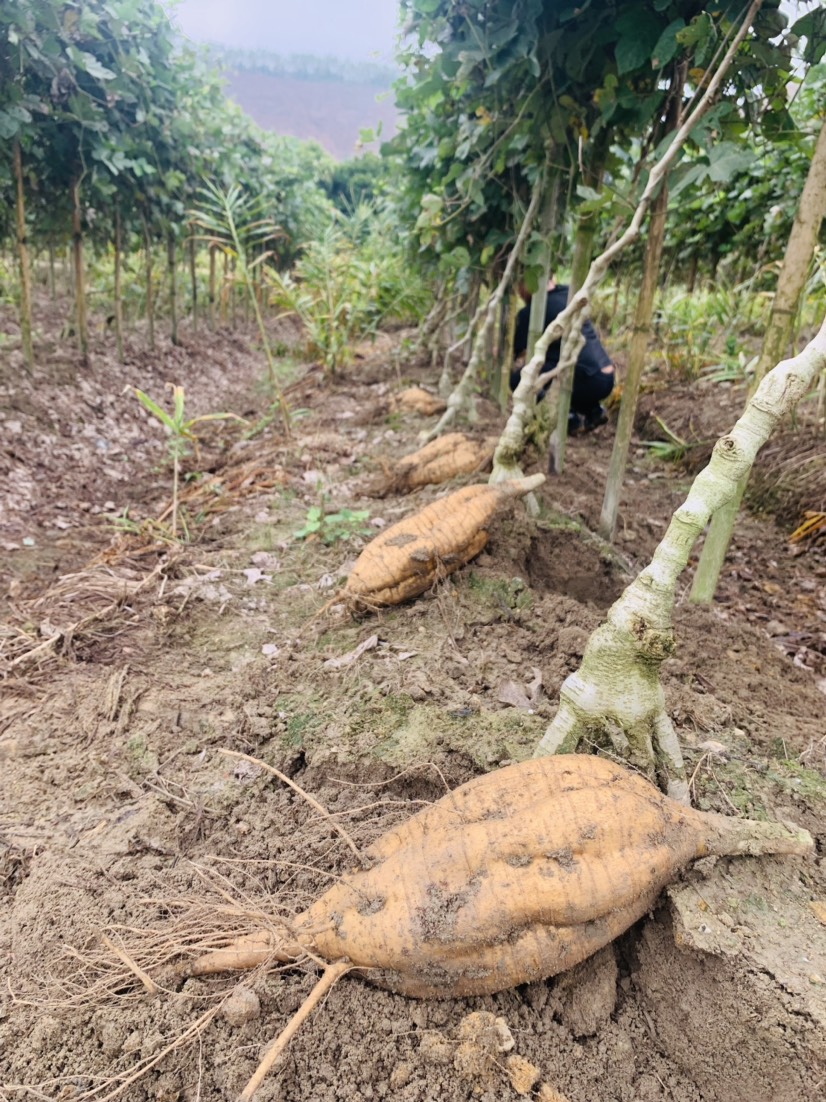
(407, 558)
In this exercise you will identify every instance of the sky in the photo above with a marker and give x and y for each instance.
(358, 30)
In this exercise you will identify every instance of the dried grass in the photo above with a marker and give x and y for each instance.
(104, 592)
(789, 478)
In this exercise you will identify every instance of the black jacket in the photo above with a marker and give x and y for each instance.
(593, 356)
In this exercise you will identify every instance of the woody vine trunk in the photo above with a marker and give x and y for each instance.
(81, 316)
(512, 441)
(462, 394)
(615, 698)
(803, 238)
(118, 267)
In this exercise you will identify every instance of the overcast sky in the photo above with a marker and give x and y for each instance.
(354, 29)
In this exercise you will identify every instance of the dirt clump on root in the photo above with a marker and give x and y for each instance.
(124, 816)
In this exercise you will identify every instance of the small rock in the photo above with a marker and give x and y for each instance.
(132, 1043)
(775, 627)
(241, 1006)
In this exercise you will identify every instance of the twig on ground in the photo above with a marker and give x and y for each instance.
(305, 795)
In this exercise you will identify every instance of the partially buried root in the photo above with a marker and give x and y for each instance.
(513, 877)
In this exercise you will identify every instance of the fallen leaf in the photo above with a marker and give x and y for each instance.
(818, 908)
(715, 748)
(265, 559)
(348, 659)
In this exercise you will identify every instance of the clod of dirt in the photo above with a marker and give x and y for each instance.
(241, 1006)
(547, 1093)
(522, 1073)
(435, 1049)
(483, 1038)
(589, 993)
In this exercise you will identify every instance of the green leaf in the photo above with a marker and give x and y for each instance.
(812, 27)
(667, 45)
(633, 50)
(9, 126)
(91, 64)
(684, 176)
(726, 160)
(156, 410)
(697, 31)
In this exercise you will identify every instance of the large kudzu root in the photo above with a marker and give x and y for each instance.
(416, 399)
(513, 877)
(437, 462)
(407, 558)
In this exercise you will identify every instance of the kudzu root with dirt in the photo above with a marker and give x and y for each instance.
(416, 399)
(513, 877)
(408, 557)
(437, 462)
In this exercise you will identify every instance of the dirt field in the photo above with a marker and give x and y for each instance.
(123, 827)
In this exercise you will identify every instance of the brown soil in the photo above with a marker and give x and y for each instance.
(121, 815)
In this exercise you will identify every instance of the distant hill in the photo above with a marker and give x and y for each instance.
(331, 113)
(325, 99)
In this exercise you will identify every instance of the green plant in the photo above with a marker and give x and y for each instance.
(180, 429)
(349, 280)
(733, 369)
(670, 450)
(272, 414)
(332, 527)
(233, 223)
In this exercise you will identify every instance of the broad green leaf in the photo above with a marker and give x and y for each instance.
(9, 125)
(684, 176)
(91, 64)
(697, 31)
(667, 45)
(632, 51)
(726, 160)
(812, 27)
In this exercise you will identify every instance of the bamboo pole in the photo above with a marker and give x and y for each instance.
(23, 262)
(150, 293)
(81, 316)
(118, 291)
